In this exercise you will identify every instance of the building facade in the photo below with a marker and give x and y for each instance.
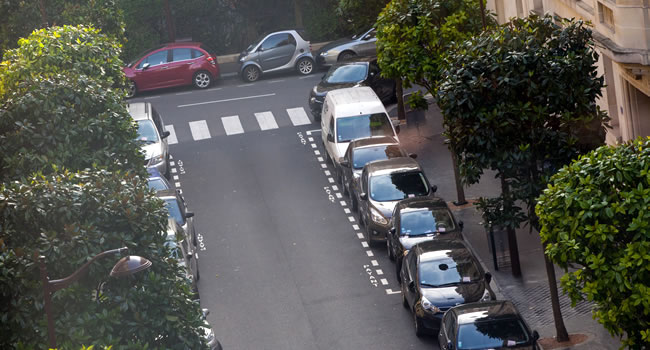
(621, 29)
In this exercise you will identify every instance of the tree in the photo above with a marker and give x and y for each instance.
(521, 100)
(69, 217)
(359, 15)
(594, 214)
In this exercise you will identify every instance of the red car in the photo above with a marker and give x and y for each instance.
(174, 64)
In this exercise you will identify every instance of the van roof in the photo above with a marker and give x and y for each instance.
(139, 110)
(354, 101)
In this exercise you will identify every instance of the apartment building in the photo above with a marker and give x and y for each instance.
(621, 29)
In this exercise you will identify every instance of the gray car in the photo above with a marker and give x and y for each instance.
(177, 209)
(278, 51)
(152, 136)
(183, 252)
(360, 44)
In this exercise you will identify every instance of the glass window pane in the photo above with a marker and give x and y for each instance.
(363, 156)
(155, 59)
(494, 333)
(147, 132)
(175, 211)
(421, 222)
(351, 73)
(182, 54)
(398, 186)
(361, 126)
(448, 267)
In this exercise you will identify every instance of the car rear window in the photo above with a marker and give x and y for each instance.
(302, 34)
(492, 333)
(362, 126)
(362, 156)
(208, 49)
(455, 267)
(424, 221)
(174, 210)
(349, 73)
(398, 186)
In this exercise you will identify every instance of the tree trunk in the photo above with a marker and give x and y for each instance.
(561, 333)
(44, 19)
(401, 113)
(171, 29)
(512, 236)
(297, 11)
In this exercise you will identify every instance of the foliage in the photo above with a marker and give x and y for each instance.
(415, 36)
(521, 100)
(102, 14)
(69, 217)
(359, 15)
(595, 214)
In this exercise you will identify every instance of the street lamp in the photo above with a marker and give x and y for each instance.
(128, 265)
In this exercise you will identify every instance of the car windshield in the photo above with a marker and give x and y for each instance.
(157, 184)
(349, 73)
(138, 57)
(397, 186)
(424, 221)
(358, 35)
(448, 267)
(256, 42)
(362, 156)
(494, 333)
(147, 131)
(174, 210)
(362, 126)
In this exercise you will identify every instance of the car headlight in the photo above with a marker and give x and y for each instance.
(426, 304)
(156, 159)
(243, 59)
(312, 100)
(377, 217)
(324, 53)
(486, 295)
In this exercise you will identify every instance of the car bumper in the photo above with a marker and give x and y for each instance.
(160, 166)
(377, 232)
(430, 321)
(325, 61)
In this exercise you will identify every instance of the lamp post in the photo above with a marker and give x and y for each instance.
(128, 265)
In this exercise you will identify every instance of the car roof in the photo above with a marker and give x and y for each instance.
(166, 193)
(421, 203)
(393, 165)
(427, 250)
(354, 101)
(469, 313)
(374, 141)
(139, 110)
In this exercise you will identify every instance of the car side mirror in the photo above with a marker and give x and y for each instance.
(344, 163)
(165, 134)
(189, 214)
(413, 155)
(145, 66)
(367, 37)
(330, 137)
(261, 49)
(411, 286)
(488, 277)
(433, 190)
(205, 312)
(450, 345)
(189, 255)
(393, 230)
(372, 74)
(535, 336)
(461, 224)
(363, 196)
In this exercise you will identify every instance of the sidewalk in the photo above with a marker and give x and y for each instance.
(422, 134)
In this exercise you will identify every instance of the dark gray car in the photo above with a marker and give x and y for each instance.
(175, 204)
(183, 252)
(361, 44)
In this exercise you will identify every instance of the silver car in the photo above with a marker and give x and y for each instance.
(152, 136)
(278, 51)
(361, 44)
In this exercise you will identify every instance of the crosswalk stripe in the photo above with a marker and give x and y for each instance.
(298, 116)
(199, 130)
(171, 139)
(232, 125)
(266, 120)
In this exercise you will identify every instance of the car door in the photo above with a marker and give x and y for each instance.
(179, 68)
(410, 278)
(363, 203)
(383, 87)
(152, 71)
(347, 170)
(276, 51)
(330, 140)
(367, 45)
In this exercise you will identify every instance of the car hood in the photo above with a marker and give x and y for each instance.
(324, 87)
(454, 295)
(151, 150)
(385, 208)
(408, 242)
(335, 43)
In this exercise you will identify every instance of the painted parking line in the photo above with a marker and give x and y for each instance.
(226, 100)
(298, 116)
(151, 97)
(200, 130)
(266, 120)
(232, 125)
(171, 139)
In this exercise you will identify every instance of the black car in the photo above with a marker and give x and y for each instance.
(184, 253)
(417, 220)
(487, 325)
(437, 275)
(360, 72)
(175, 204)
(363, 151)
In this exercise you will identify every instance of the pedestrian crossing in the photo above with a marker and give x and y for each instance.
(232, 125)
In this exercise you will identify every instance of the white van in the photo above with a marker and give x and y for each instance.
(350, 114)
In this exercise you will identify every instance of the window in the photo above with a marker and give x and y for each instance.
(425, 221)
(330, 132)
(274, 41)
(175, 210)
(349, 73)
(181, 54)
(492, 334)
(398, 186)
(155, 59)
(448, 267)
(196, 53)
(606, 16)
(147, 132)
(363, 156)
(361, 126)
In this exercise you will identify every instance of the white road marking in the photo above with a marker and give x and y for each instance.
(343, 203)
(184, 93)
(390, 291)
(335, 188)
(172, 163)
(226, 100)
(369, 253)
(171, 139)
(309, 76)
(384, 281)
(213, 89)
(266, 120)
(151, 97)
(244, 85)
(171, 157)
(315, 130)
(330, 180)
(355, 227)
(298, 116)
(174, 170)
(323, 165)
(346, 210)
(338, 195)
(327, 173)
(177, 184)
(374, 262)
(360, 235)
(200, 130)
(232, 125)
(364, 244)
(317, 152)
(320, 159)
(180, 191)
(175, 177)
(313, 145)
(311, 139)
(276, 81)
(351, 218)
(380, 272)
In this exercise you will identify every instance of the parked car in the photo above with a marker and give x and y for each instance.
(277, 51)
(360, 72)
(437, 275)
(177, 209)
(383, 184)
(151, 135)
(417, 220)
(485, 325)
(350, 114)
(360, 44)
(361, 152)
(183, 252)
(174, 64)
(156, 181)
(213, 343)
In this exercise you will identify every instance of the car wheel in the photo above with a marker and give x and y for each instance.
(251, 73)
(305, 66)
(131, 89)
(202, 79)
(391, 256)
(346, 55)
(419, 329)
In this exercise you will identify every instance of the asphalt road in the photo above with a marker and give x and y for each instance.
(283, 265)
